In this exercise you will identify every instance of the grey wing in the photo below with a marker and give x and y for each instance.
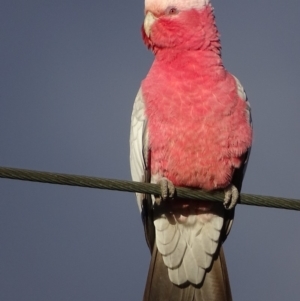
(139, 144)
(240, 173)
(139, 164)
(238, 176)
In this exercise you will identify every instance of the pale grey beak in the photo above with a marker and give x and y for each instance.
(148, 22)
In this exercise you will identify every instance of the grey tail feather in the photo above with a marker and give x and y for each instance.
(215, 286)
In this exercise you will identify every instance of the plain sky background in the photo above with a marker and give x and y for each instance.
(69, 72)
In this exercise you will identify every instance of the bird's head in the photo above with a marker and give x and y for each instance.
(180, 24)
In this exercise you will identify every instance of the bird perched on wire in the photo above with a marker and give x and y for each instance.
(190, 127)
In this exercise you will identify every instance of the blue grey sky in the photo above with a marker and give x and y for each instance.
(69, 73)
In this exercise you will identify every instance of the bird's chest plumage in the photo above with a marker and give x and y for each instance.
(194, 118)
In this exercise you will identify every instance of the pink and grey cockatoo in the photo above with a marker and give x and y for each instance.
(190, 127)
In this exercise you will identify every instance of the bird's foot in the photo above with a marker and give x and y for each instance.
(231, 197)
(167, 189)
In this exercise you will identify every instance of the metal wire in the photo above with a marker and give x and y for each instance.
(121, 185)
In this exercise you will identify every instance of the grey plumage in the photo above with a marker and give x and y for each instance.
(215, 286)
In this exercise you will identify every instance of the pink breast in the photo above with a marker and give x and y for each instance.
(198, 128)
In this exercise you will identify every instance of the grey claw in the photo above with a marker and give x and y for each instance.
(167, 190)
(231, 197)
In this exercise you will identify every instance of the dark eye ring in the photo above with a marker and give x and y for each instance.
(172, 10)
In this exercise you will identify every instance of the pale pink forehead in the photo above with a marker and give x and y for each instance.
(180, 4)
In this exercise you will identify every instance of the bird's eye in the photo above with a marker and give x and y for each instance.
(172, 10)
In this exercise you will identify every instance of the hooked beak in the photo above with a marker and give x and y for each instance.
(148, 22)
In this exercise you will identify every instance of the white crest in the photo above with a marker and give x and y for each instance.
(180, 4)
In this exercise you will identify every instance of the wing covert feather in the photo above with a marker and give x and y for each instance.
(138, 143)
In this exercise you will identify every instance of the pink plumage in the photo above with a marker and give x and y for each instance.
(198, 125)
(190, 127)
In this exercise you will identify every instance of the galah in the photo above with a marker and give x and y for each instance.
(190, 127)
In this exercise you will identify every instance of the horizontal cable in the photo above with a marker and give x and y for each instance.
(121, 185)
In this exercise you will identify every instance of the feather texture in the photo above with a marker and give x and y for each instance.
(214, 288)
(191, 124)
(187, 244)
(138, 143)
